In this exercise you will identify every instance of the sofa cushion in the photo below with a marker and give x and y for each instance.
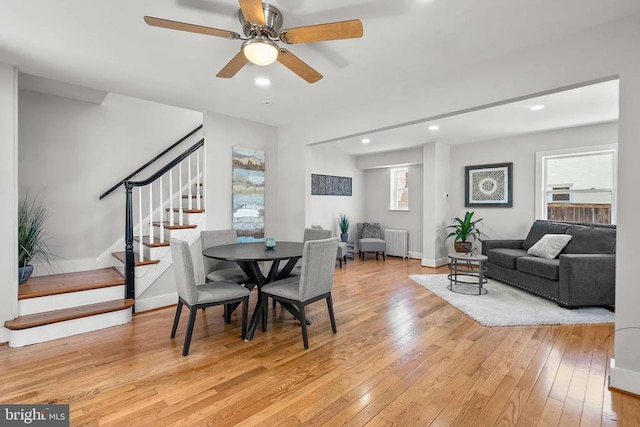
(591, 240)
(549, 246)
(541, 267)
(540, 228)
(505, 257)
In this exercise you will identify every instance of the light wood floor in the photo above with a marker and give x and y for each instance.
(402, 356)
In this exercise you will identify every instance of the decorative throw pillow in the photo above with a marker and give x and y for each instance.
(549, 246)
(317, 227)
(371, 230)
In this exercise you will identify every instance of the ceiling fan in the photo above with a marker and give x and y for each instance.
(261, 25)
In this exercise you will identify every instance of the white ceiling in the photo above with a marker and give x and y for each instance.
(106, 46)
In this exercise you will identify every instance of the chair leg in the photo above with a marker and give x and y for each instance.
(377, 255)
(384, 256)
(227, 313)
(305, 340)
(331, 316)
(273, 304)
(245, 310)
(187, 339)
(340, 261)
(265, 311)
(176, 319)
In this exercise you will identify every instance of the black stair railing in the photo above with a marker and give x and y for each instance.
(149, 163)
(129, 264)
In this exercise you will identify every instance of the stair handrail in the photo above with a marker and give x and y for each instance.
(129, 259)
(141, 168)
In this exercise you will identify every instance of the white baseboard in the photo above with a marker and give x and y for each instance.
(434, 262)
(623, 379)
(415, 255)
(151, 303)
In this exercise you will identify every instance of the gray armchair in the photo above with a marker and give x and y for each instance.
(314, 283)
(201, 296)
(370, 238)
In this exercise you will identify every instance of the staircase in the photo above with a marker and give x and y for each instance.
(62, 305)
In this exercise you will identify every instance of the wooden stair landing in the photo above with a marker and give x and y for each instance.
(69, 282)
(40, 319)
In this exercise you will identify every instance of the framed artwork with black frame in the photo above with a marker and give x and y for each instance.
(489, 185)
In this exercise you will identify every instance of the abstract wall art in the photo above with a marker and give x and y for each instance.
(248, 167)
(328, 185)
(489, 185)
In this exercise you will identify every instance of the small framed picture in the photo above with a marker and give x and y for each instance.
(488, 185)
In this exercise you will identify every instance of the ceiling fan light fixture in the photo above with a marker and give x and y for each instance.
(260, 51)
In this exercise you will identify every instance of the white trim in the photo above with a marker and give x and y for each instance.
(415, 255)
(151, 303)
(623, 379)
(434, 262)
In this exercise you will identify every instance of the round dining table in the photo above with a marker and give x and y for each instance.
(248, 256)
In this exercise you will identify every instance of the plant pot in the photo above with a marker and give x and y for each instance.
(463, 247)
(24, 273)
(344, 237)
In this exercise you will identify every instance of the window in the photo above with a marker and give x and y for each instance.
(399, 189)
(577, 185)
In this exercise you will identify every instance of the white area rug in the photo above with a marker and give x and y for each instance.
(505, 305)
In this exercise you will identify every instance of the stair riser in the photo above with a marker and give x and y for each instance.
(189, 218)
(22, 337)
(69, 300)
(157, 252)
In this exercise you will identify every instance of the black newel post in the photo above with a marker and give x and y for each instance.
(129, 261)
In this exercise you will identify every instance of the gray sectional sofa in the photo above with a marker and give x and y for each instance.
(583, 274)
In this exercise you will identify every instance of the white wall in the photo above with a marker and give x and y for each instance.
(377, 203)
(72, 151)
(223, 133)
(514, 222)
(324, 210)
(8, 195)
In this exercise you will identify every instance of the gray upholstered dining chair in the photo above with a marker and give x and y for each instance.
(201, 296)
(370, 238)
(310, 234)
(313, 284)
(216, 270)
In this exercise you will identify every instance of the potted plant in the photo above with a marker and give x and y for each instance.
(31, 236)
(464, 229)
(343, 223)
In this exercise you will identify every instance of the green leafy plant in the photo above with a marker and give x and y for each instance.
(32, 243)
(343, 223)
(465, 228)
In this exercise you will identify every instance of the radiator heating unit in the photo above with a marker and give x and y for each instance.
(397, 242)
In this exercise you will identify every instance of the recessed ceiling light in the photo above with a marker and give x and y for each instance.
(263, 81)
(366, 140)
(536, 107)
(434, 127)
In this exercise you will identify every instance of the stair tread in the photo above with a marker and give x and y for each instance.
(187, 210)
(174, 226)
(69, 282)
(49, 317)
(156, 242)
(121, 255)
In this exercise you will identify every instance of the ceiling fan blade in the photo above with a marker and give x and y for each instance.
(192, 28)
(323, 32)
(299, 67)
(236, 63)
(252, 11)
